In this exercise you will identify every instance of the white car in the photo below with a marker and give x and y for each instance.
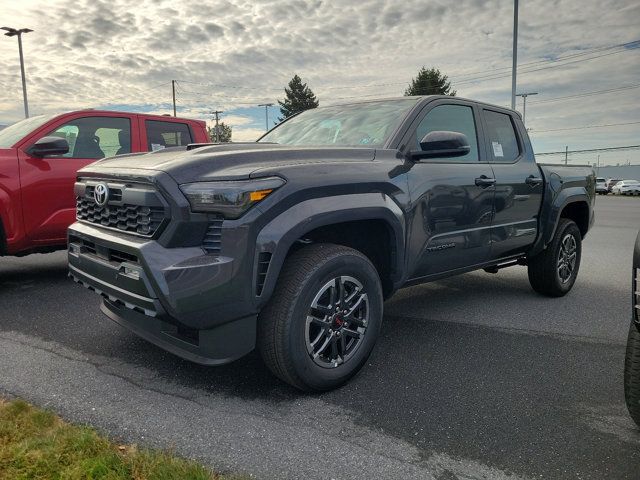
(626, 187)
(601, 186)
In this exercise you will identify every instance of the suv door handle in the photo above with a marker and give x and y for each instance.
(483, 181)
(533, 181)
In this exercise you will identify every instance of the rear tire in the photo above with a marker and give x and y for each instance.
(554, 271)
(632, 374)
(302, 338)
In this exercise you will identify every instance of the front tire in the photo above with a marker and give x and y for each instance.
(632, 374)
(554, 271)
(323, 319)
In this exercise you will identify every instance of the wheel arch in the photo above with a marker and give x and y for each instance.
(359, 215)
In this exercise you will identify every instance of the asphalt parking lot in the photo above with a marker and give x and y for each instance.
(474, 377)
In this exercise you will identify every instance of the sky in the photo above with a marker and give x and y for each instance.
(232, 55)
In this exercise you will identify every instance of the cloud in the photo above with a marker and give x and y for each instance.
(229, 54)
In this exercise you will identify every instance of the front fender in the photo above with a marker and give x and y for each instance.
(279, 235)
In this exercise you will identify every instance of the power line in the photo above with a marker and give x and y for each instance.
(624, 47)
(585, 94)
(531, 70)
(591, 150)
(557, 59)
(584, 127)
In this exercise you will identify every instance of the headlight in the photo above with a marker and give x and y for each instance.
(230, 198)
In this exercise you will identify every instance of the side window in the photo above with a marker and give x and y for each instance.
(503, 142)
(167, 134)
(96, 137)
(453, 118)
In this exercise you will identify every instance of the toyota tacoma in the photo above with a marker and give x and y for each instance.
(291, 244)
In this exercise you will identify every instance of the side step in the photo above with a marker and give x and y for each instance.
(500, 266)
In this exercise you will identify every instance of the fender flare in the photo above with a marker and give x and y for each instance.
(279, 234)
(550, 216)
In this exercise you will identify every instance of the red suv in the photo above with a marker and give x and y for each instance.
(39, 158)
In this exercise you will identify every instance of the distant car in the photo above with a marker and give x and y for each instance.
(611, 182)
(632, 358)
(601, 186)
(626, 187)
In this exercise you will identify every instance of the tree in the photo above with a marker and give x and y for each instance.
(299, 98)
(430, 82)
(224, 133)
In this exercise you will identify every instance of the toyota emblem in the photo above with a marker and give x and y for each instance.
(101, 194)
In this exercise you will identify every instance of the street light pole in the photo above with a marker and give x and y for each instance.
(12, 32)
(514, 54)
(524, 103)
(266, 114)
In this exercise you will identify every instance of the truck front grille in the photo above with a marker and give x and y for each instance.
(132, 208)
(128, 218)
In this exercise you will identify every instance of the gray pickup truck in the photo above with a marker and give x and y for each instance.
(291, 244)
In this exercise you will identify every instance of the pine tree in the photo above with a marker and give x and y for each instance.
(299, 98)
(430, 82)
(224, 133)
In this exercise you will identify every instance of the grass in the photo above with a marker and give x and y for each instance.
(36, 444)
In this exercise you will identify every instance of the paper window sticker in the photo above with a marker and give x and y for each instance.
(156, 146)
(497, 149)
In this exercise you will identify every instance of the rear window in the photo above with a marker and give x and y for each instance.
(600, 180)
(167, 134)
(503, 142)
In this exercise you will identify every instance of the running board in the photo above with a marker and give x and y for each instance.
(495, 268)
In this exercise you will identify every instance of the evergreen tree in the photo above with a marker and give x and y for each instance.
(299, 98)
(430, 82)
(224, 133)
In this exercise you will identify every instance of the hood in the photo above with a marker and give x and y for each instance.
(228, 161)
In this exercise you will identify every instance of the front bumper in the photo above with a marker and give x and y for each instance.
(189, 303)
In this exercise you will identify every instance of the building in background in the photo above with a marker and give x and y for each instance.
(631, 172)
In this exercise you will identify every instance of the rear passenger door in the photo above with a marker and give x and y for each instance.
(159, 134)
(519, 185)
(451, 198)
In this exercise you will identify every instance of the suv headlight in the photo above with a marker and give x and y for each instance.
(229, 198)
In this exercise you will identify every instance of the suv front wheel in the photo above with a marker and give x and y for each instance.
(323, 319)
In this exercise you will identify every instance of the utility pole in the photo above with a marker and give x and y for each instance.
(566, 155)
(266, 114)
(12, 32)
(524, 103)
(216, 113)
(598, 168)
(173, 90)
(514, 54)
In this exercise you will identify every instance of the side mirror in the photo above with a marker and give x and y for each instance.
(441, 144)
(49, 146)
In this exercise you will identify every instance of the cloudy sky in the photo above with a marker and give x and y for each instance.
(582, 56)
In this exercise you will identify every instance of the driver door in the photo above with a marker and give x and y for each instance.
(47, 182)
(452, 198)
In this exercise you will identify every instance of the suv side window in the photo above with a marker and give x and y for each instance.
(167, 134)
(501, 136)
(453, 118)
(96, 137)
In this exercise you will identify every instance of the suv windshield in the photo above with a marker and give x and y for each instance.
(12, 134)
(362, 124)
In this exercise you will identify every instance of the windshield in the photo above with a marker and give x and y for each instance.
(16, 132)
(361, 124)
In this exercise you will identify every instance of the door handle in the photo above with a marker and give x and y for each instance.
(533, 181)
(483, 181)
